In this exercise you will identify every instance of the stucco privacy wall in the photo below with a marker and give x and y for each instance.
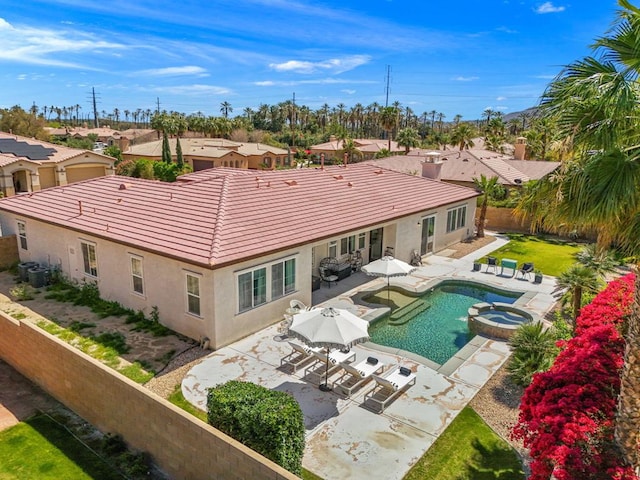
(180, 444)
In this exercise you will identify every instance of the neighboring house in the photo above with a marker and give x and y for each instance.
(29, 165)
(108, 136)
(205, 153)
(222, 252)
(461, 167)
(368, 148)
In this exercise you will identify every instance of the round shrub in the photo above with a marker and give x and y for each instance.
(269, 422)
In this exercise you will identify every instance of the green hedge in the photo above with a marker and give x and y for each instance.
(269, 422)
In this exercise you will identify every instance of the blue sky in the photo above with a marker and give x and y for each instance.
(455, 57)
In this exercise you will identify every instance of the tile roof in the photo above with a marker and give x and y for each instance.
(205, 147)
(221, 216)
(57, 153)
(465, 165)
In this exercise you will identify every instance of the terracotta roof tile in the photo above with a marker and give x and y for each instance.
(220, 216)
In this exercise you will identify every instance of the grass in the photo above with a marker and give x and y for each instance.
(179, 401)
(43, 449)
(105, 348)
(468, 450)
(551, 257)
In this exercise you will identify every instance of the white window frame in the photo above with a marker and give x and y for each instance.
(347, 245)
(22, 234)
(88, 250)
(456, 218)
(135, 275)
(273, 290)
(193, 295)
(333, 248)
(362, 240)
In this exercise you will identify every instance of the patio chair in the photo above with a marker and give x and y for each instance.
(354, 376)
(388, 388)
(299, 355)
(492, 262)
(328, 277)
(526, 270)
(319, 368)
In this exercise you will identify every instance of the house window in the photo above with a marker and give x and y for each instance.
(283, 278)
(22, 235)
(456, 218)
(193, 294)
(252, 288)
(333, 248)
(361, 240)
(136, 275)
(266, 283)
(347, 245)
(89, 259)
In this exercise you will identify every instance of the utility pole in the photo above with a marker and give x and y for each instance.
(96, 122)
(158, 105)
(386, 101)
(293, 120)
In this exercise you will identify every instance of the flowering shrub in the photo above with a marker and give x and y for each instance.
(567, 414)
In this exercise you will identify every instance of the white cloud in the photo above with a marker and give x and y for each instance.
(348, 91)
(500, 99)
(319, 81)
(47, 47)
(549, 7)
(196, 89)
(174, 71)
(460, 78)
(335, 65)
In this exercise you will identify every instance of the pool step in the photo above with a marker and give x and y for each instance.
(406, 313)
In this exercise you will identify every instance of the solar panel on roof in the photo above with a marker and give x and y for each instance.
(24, 149)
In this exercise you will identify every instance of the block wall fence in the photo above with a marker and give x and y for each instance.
(180, 444)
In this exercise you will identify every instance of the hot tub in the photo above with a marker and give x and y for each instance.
(498, 320)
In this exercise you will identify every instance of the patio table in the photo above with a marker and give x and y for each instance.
(508, 263)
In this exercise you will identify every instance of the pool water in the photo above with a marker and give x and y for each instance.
(440, 331)
(505, 318)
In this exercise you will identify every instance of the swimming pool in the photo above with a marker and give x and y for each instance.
(438, 329)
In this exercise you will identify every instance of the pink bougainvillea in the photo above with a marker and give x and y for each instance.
(567, 414)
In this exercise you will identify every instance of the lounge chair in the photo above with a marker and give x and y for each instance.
(300, 354)
(319, 367)
(354, 376)
(526, 270)
(492, 262)
(388, 388)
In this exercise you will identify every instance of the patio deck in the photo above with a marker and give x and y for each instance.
(344, 439)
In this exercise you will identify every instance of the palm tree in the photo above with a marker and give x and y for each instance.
(462, 135)
(596, 102)
(226, 109)
(350, 149)
(408, 138)
(488, 187)
(388, 121)
(573, 282)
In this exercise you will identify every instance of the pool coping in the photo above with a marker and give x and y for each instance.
(472, 346)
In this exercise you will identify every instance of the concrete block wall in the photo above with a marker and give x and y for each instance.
(182, 445)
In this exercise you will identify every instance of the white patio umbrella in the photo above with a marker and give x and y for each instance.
(388, 267)
(329, 328)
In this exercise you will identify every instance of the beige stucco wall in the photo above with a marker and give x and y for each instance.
(179, 443)
(84, 172)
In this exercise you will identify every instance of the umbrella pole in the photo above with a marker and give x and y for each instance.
(325, 387)
(388, 295)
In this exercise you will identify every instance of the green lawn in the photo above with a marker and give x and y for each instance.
(468, 450)
(41, 448)
(551, 257)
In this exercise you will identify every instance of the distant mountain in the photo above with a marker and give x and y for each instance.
(531, 112)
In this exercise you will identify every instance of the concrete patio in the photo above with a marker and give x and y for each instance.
(344, 439)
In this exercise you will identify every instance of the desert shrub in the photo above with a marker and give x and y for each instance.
(269, 422)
